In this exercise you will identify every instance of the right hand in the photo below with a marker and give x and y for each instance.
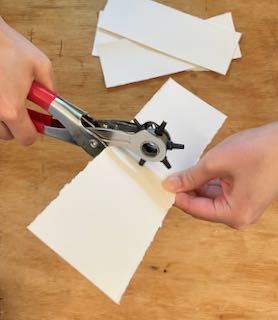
(234, 182)
(20, 64)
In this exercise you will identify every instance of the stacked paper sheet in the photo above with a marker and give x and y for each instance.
(141, 39)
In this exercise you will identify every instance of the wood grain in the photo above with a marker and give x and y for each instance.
(194, 270)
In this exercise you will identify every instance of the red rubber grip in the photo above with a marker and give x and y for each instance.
(40, 120)
(41, 96)
(39, 126)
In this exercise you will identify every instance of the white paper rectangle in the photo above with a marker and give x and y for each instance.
(172, 32)
(104, 220)
(103, 36)
(124, 61)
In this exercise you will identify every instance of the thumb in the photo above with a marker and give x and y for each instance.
(192, 178)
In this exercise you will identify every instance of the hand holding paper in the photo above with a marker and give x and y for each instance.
(234, 182)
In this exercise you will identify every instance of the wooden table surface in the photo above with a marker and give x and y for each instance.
(193, 270)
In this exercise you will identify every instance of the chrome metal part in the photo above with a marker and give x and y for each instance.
(139, 143)
(71, 118)
(148, 141)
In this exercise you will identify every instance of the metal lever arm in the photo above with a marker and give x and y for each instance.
(142, 143)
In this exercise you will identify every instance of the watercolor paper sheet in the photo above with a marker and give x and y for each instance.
(104, 37)
(125, 61)
(183, 36)
(103, 222)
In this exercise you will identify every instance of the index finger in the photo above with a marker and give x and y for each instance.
(21, 126)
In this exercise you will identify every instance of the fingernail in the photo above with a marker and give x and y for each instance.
(172, 183)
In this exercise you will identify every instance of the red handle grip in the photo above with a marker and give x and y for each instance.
(41, 96)
(40, 120)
